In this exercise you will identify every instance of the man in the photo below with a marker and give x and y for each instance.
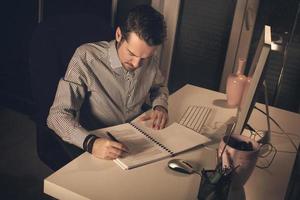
(107, 83)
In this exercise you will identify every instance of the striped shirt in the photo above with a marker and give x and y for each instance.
(96, 80)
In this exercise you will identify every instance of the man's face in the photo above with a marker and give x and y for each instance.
(133, 52)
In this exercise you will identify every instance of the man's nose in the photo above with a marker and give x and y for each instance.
(136, 62)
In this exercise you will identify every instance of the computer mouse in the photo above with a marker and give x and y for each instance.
(180, 166)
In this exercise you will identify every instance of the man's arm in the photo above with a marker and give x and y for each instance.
(159, 94)
(63, 117)
(64, 113)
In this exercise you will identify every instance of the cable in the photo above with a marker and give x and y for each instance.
(273, 149)
(273, 120)
(267, 136)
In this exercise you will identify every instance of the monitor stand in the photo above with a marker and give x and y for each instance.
(266, 135)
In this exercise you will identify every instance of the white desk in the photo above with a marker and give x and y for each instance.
(89, 178)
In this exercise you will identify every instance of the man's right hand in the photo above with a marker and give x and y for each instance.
(108, 149)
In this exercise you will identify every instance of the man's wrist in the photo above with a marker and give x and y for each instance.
(89, 142)
(159, 107)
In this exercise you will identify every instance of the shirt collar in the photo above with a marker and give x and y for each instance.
(115, 62)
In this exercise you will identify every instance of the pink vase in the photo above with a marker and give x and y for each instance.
(245, 91)
(235, 85)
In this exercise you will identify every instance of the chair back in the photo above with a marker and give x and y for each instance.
(53, 43)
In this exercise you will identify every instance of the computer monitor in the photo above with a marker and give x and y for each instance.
(256, 77)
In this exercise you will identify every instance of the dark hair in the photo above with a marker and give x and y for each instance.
(147, 23)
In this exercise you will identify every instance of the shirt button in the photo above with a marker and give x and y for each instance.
(129, 95)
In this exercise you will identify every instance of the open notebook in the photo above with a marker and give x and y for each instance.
(147, 145)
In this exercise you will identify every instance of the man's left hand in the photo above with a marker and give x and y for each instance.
(159, 115)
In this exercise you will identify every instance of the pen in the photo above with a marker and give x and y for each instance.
(112, 137)
(115, 139)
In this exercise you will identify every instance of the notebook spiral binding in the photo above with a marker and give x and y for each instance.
(152, 139)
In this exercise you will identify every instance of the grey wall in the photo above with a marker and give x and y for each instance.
(201, 43)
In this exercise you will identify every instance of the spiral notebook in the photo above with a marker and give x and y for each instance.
(147, 145)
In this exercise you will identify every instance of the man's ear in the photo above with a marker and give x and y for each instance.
(118, 34)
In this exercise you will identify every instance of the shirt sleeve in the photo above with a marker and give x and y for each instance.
(63, 116)
(159, 92)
